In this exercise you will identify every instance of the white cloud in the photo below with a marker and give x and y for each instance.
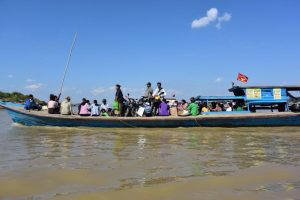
(225, 18)
(219, 79)
(109, 91)
(78, 91)
(103, 90)
(211, 15)
(98, 91)
(34, 87)
(10, 76)
(112, 88)
(133, 92)
(29, 80)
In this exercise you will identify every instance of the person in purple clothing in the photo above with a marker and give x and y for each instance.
(164, 109)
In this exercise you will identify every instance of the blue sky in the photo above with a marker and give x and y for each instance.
(192, 47)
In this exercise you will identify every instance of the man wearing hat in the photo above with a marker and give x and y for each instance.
(66, 107)
(149, 91)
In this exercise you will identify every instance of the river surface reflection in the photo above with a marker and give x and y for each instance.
(181, 163)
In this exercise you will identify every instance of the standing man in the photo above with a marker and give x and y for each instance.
(158, 95)
(149, 92)
(120, 99)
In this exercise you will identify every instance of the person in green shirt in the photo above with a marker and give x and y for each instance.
(193, 107)
(104, 113)
(239, 107)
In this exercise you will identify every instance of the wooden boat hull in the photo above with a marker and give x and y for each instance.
(36, 118)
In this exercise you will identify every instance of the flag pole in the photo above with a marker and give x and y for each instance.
(67, 64)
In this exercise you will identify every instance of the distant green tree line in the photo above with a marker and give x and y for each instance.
(16, 97)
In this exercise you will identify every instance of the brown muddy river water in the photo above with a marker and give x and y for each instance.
(155, 164)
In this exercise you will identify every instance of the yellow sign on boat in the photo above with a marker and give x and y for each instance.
(277, 93)
(254, 93)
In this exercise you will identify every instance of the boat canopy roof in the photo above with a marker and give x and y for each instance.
(218, 98)
(287, 87)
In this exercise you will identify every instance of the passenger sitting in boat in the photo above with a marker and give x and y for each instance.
(84, 109)
(222, 107)
(104, 105)
(57, 109)
(95, 109)
(66, 107)
(30, 104)
(184, 104)
(88, 102)
(148, 110)
(204, 107)
(173, 104)
(182, 108)
(82, 103)
(216, 107)
(239, 107)
(212, 106)
(252, 108)
(229, 107)
(104, 113)
(193, 107)
(52, 105)
(164, 108)
(219, 107)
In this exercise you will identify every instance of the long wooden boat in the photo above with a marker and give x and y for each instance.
(41, 118)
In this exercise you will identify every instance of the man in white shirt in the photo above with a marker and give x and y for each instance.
(104, 105)
(158, 94)
(159, 91)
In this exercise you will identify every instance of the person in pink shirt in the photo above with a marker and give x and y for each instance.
(84, 109)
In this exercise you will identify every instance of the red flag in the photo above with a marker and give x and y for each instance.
(243, 78)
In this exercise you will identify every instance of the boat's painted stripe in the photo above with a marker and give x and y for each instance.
(31, 119)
